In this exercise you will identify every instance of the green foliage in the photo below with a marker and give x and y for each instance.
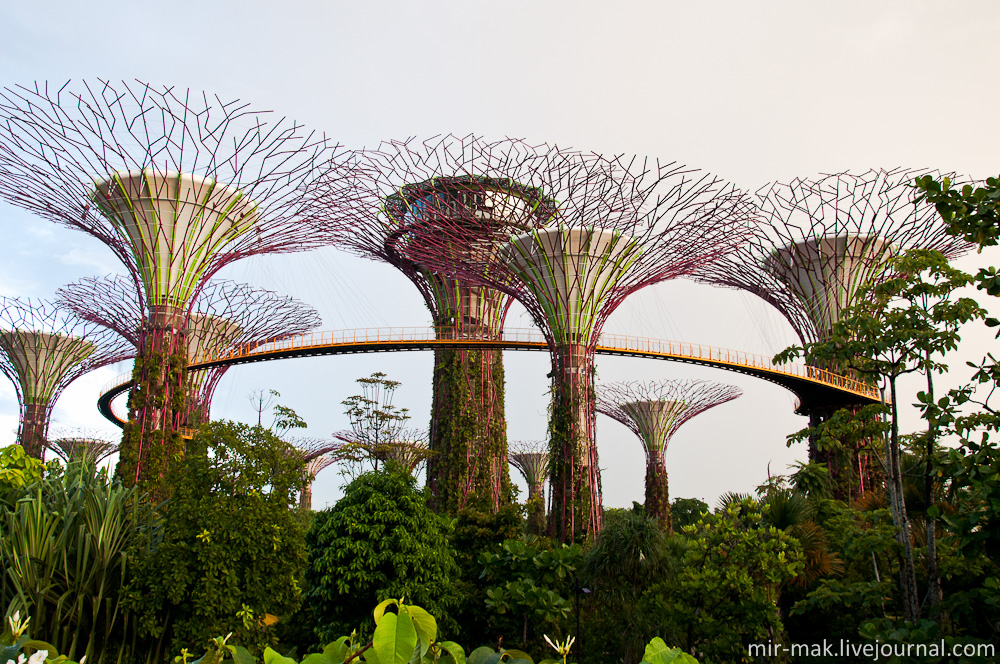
(687, 511)
(724, 592)
(379, 541)
(64, 556)
(528, 590)
(232, 549)
(17, 469)
(15, 644)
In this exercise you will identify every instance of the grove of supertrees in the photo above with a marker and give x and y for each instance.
(177, 184)
(531, 458)
(654, 411)
(819, 241)
(367, 197)
(569, 235)
(43, 348)
(223, 316)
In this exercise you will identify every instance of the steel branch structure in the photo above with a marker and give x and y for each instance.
(43, 348)
(82, 445)
(317, 454)
(570, 236)
(821, 240)
(819, 243)
(367, 197)
(531, 458)
(224, 315)
(177, 184)
(654, 411)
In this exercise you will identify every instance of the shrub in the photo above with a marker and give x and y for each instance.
(380, 541)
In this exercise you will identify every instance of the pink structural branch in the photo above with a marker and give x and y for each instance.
(819, 241)
(43, 348)
(224, 315)
(368, 198)
(654, 411)
(570, 238)
(177, 184)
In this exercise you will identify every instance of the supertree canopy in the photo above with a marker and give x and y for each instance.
(531, 458)
(654, 411)
(177, 184)
(43, 348)
(223, 316)
(819, 243)
(821, 240)
(367, 197)
(593, 231)
(317, 454)
(81, 444)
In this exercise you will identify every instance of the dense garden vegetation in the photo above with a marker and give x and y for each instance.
(228, 565)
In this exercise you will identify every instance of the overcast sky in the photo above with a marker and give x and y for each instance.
(751, 91)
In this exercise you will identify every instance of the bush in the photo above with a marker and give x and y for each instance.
(232, 551)
(380, 541)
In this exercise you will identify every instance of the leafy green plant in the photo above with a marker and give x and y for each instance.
(379, 541)
(232, 550)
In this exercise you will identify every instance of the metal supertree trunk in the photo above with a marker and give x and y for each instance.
(177, 184)
(367, 197)
(531, 458)
(653, 411)
(224, 315)
(570, 237)
(43, 348)
(819, 242)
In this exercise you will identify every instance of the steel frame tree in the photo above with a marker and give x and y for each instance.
(42, 350)
(654, 411)
(316, 454)
(367, 197)
(224, 315)
(820, 240)
(600, 230)
(82, 445)
(177, 184)
(531, 458)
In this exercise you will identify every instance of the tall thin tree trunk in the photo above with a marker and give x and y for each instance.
(934, 592)
(908, 572)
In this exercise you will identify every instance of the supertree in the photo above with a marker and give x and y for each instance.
(653, 411)
(407, 448)
(177, 184)
(316, 454)
(81, 444)
(819, 241)
(43, 348)
(531, 458)
(223, 315)
(366, 196)
(570, 238)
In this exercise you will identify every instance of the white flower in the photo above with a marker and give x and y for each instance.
(39, 657)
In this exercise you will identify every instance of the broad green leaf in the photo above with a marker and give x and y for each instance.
(394, 641)
(456, 651)
(41, 645)
(483, 655)
(517, 656)
(382, 606)
(426, 627)
(242, 656)
(337, 651)
(657, 652)
(272, 657)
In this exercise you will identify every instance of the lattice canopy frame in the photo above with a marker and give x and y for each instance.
(177, 184)
(654, 411)
(92, 449)
(317, 454)
(531, 458)
(43, 348)
(224, 316)
(602, 228)
(368, 198)
(820, 240)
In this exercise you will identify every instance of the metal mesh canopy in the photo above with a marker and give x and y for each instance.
(531, 458)
(43, 348)
(176, 183)
(654, 410)
(224, 316)
(823, 239)
(84, 447)
(407, 447)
